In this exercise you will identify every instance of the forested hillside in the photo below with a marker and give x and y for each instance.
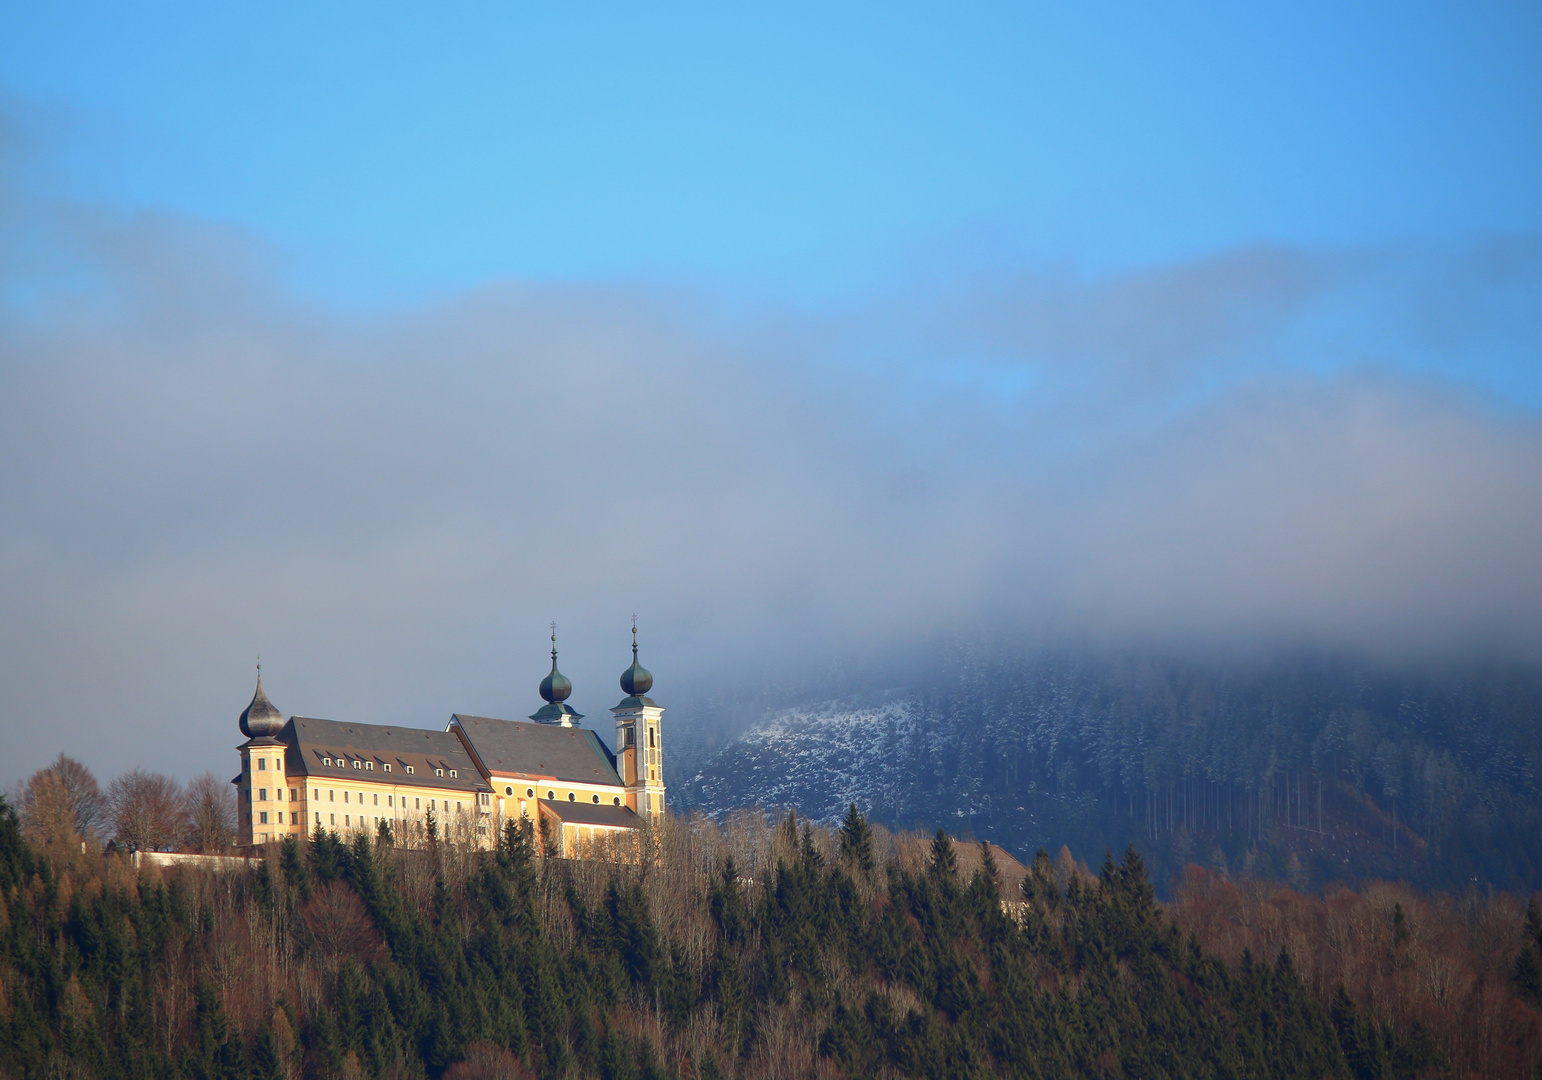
(743, 951)
(1309, 772)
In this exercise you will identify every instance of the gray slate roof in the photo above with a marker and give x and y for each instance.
(538, 751)
(577, 813)
(312, 741)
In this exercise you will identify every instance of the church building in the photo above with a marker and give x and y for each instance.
(461, 782)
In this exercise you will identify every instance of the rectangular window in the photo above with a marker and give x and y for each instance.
(331, 795)
(417, 804)
(318, 817)
(262, 794)
(650, 738)
(377, 798)
(264, 816)
(390, 800)
(294, 794)
(347, 820)
(345, 796)
(333, 817)
(262, 764)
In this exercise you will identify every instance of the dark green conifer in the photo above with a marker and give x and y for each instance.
(856, 846)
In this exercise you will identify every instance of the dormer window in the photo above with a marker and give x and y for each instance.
(326, 761)
(358, 764)
(438, 772)
(386, 766)
(408, 768)
(454, 775)
(369, 766)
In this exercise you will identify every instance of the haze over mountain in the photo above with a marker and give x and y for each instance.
(1231, 446)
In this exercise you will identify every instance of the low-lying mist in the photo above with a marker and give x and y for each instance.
(1258, 450)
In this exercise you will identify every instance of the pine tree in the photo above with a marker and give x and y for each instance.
(856, 847)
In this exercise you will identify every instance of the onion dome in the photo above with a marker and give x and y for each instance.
(636, 680)
(555, 687)
(555, 690)
(260, 719)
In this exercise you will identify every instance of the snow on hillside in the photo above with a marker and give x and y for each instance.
(817, 758)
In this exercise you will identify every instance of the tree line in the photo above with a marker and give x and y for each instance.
(62, 806)
(749, 949)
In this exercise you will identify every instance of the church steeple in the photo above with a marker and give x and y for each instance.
(555, 690)
(640, 739)
(260, 720)
(636, 680)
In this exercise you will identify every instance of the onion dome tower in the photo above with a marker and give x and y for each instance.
(640, 739)
(260, 720)
(636, 680)
(555, 691)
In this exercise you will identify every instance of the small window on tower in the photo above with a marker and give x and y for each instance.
(262, 764)
(650, 738)
(630, 737)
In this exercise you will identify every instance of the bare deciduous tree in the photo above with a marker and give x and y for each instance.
(148, 813)
(62, 799)
(210, 808)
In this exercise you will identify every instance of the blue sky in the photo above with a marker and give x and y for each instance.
(373, 338)
(388, 146)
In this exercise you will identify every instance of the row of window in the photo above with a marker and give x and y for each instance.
(550, 794)
(262, 764)
(385, 766)
(629, 737)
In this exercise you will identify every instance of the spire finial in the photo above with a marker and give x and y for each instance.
(554, 639)
(634, 637)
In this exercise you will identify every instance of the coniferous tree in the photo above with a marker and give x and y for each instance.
(856, 845)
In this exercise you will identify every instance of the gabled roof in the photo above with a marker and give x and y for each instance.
(577, 813)
(312, 742)
(538, 751)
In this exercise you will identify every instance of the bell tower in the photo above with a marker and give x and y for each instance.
(640, 740)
